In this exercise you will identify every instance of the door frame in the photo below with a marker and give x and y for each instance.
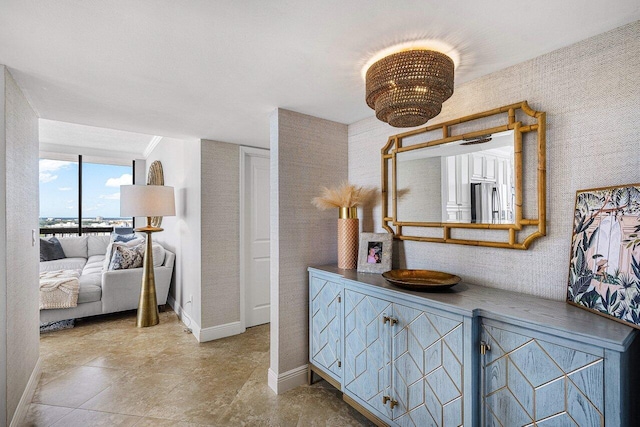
(245, 153)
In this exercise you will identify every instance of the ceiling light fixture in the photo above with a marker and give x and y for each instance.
(407, 88)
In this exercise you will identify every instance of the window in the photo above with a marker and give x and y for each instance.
(101, 194)
(64, 183)
(58, 194)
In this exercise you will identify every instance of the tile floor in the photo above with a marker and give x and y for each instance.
(107, 372)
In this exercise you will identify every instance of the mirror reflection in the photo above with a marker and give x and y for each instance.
(468, 181)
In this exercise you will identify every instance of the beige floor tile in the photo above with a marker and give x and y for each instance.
(201, 400)
(161, 376)
(157, 422)
(134, 394)
(44, 415)
(76, 386)
(85, 418)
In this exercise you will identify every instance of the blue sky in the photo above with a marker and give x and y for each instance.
(101, 189)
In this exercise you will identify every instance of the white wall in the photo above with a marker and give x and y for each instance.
(306, 153)
(181, 166)
(591, 93)
(140, 172)
(19, 314)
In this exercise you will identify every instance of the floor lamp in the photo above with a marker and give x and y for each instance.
(149, 201)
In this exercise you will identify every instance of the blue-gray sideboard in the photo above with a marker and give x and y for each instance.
(469, 355)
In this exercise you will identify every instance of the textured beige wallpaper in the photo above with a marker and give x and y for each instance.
(220, 233)
(3, 254)
(591, 93)
(306, 153)
(22, 312)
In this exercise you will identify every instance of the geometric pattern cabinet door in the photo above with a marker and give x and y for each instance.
(366, 350)
(527, 380)
(324, 334)
(427, 370)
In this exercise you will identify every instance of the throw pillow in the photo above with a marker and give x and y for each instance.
(51, 249)
(124, 237)
(109, 253)
(125, 258)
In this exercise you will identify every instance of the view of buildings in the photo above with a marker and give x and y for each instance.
(60, 192)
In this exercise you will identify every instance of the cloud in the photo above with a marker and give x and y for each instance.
(45, 177)
(125, 179)
(64, 188)
(48, 165)
(113, 196)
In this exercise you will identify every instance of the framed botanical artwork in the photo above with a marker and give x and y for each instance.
(374, 253)
(604, 272)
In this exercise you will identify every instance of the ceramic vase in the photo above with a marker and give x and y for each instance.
(348, 235)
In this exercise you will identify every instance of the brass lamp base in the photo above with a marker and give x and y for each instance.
(148, 304)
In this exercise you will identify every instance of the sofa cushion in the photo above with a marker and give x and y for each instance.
(124, 257)
(97, 245)
(63, 264)
(90, 288)
(94, 265)
(50, 249)
(74, 247)
(158, 252)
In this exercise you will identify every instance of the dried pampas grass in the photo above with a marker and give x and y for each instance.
(344, 196)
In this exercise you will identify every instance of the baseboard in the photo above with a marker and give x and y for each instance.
(287, 380)
(184, 317)
(27, 396)
(220, 331)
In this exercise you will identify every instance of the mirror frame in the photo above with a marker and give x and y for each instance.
(394, 146)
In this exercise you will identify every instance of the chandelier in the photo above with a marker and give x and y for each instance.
(408, 88)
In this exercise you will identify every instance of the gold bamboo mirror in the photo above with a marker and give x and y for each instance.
(478, 180)
(155, 177)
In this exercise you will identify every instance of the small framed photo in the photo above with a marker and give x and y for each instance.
(374, 254)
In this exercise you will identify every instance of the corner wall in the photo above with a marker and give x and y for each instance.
(220, 275)
(20, 317)
(306, 153)
(181, 166)
(590, 92)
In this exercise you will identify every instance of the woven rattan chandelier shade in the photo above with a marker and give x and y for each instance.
(408, 88)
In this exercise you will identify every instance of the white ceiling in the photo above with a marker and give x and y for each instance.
(217, 69)
(54, 136)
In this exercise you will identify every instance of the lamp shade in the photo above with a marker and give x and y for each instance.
(147, 200)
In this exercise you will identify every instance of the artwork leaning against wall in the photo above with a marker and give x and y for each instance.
(604, 272)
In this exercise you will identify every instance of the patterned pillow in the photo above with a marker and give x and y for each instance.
(124, 257)
(51, 249)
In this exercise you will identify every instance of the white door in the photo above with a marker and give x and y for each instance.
(256, 237)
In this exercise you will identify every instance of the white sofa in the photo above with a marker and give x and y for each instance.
(103, 291)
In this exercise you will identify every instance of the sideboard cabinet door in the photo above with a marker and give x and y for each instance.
(367, 362)
(427, 369)
(527, 380)
(325, 297)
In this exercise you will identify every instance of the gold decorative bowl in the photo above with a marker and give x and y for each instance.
(421, 280)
